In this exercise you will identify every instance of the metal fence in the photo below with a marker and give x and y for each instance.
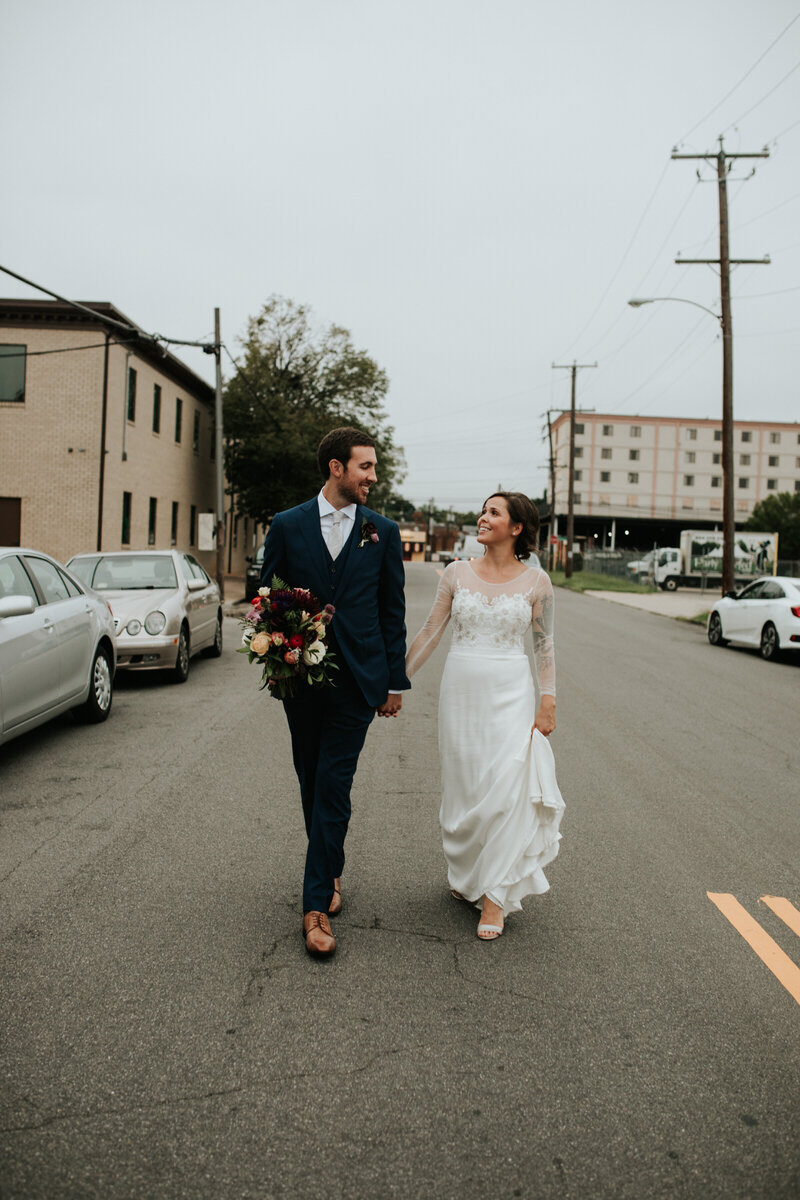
(617, 563)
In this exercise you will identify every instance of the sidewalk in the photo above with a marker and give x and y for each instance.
(686, 602)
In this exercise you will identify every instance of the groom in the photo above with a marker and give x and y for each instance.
(350, 557)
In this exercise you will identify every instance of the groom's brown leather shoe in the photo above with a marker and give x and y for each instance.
(336, 903)
(317, 933)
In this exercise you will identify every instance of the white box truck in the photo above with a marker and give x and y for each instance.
(698, 560)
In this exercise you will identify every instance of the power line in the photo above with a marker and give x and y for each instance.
(69, 349)
(736, 86)
(766, 96)
(621, 261)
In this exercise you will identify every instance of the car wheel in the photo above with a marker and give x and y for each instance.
(180, 672)
(215, 649)
(98, 702)
(670, 584)
(715, 631)
(770, 645)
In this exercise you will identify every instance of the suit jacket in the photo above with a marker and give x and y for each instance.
(365, 585)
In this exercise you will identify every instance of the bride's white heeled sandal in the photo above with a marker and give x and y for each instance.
(494, 932)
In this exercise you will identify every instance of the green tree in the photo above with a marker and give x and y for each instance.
(779, 514)
(295, 383)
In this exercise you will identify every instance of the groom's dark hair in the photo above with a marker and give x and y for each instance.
(339, 444)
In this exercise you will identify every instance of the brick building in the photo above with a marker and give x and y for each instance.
(57, 407)
(652, 476)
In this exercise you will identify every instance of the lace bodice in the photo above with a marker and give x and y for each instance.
(491, 616)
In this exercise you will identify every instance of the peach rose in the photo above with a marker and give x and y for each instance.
(259, 643)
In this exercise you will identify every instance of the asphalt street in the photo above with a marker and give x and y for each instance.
(164, 1034)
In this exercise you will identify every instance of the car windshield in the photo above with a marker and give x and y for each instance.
(122, 573)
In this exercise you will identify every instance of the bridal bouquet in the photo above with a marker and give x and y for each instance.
(285, 631)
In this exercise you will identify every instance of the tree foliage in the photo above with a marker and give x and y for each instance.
(295, 383)
(779, 514)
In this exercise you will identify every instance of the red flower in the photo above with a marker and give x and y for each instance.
(255, 602)
(296, 641)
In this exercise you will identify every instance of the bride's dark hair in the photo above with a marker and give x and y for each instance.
(524, 512)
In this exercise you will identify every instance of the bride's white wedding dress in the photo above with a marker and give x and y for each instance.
(501, 807)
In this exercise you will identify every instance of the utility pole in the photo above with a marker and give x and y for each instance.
(218, 455)
(551, 547)
(574, 368)
(724, 263)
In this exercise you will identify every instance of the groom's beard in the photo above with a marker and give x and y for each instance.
(351, 492)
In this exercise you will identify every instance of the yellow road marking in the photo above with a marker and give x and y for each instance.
(768, 950)
(785, 910)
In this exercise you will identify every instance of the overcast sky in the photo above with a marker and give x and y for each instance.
(473, 189)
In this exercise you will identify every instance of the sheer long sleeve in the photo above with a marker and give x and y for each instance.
(542, 625)
(429, 636)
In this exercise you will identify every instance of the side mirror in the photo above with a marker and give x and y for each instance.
(731, 595)
(248, 558)
(196, 585)
(17, 606)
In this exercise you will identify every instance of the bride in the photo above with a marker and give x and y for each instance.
(501, 807)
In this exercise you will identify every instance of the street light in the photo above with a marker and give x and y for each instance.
(728, 524)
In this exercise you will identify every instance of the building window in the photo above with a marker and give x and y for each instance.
(744, 482)
(578, 475)
(606, 452)
(691, 456)
(772, 485)
(744, 460)
(797, 485)
(747, 435)
(636, 431)
(196, 432)
(717, 435)
(691, 435)
(633, 455)
(579, 451)
(12, 373)
(151, 522)
(577, 498)
(178, 420)
(608, 431)
(605, 477)
(716, 481)
(775, 439)
(773, 460)
(716, 459)
(173, 533)
(156, 408)
(688, 481)
(192, 525)
(633, 476)
(797, 463)
(236, 531)
(131, 411)
(578, 428)
(127, 497)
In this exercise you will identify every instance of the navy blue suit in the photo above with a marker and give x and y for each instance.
(368, 637)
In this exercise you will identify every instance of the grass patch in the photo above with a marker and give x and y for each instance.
(593, 581)
(700, 619)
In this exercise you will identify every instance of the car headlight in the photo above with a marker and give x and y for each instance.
(154, 622)
(133, 627)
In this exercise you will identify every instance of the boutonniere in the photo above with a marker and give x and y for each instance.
(368, 533)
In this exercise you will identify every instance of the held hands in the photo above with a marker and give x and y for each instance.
(391, 705)
(546, 716)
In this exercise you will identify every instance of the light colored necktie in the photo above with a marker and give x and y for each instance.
(335, 535)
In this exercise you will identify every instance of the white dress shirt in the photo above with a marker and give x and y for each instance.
(326, 511)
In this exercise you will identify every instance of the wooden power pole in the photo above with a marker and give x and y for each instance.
(574, 368)
(218, 455)
(724, 263)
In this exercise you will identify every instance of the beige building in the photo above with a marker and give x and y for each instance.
(670, 468)
(151, 413)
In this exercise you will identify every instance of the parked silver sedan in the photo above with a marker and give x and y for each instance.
(166, 608)
(57, 644)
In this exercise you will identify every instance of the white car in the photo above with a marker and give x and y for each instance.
(166, 608)
(57, 644)
(765, 613)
